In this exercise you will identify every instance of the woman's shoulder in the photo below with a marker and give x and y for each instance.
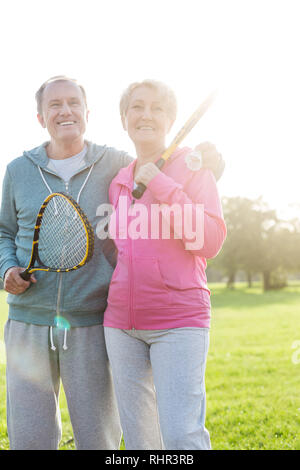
(187, 167)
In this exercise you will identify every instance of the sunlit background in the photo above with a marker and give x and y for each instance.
(247, 50)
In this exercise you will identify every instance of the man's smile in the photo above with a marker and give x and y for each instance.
(66, 123)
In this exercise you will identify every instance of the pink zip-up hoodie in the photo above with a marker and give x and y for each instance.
(160, 281)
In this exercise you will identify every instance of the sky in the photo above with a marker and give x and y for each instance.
(246, 50)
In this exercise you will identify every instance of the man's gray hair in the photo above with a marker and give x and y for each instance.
(166, 93)
(57, 78)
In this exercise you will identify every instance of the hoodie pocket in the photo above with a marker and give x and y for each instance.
(118, 295)
(149, 287)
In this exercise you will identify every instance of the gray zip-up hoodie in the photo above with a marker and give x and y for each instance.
(79, 297)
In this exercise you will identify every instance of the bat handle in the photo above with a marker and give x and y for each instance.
(25, 275)
(141, 188)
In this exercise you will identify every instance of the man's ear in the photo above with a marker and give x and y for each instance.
(87, 115)
(41, 120)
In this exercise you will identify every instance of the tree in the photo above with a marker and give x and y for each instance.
(243, 247)
(258, 242)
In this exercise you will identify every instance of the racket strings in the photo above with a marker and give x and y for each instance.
(62, 240)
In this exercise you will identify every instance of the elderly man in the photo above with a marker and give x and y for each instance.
(54, 331)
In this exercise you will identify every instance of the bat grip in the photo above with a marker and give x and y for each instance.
(25, 275)
(141, 188)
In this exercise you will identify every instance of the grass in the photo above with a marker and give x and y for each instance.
(253, 397)
(252, 382)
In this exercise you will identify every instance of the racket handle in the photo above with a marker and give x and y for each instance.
(139, 191)
(25, 275)
(141, 188)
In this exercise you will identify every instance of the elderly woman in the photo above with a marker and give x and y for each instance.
(158, 315)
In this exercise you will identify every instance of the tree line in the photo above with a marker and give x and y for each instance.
(258, 241)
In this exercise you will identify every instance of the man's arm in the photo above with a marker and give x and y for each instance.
(9, 265)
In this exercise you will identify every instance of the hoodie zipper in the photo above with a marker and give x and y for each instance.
(60, 276)
(131, 283)
(131, 316)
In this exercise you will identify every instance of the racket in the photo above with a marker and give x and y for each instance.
(63, 238)
(188, 126)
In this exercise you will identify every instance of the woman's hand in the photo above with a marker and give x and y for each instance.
(146, 173)
(211, 158)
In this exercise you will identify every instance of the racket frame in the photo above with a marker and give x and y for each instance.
(34, 250)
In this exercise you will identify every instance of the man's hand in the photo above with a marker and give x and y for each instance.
(146, 173)
(211, 158)
(13, 283)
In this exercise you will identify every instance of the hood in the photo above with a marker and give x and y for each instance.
(39, 156)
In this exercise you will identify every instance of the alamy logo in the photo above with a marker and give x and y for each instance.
(157, 221)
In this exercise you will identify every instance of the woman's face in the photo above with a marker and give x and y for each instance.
(146, 119)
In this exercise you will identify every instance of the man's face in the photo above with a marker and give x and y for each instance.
(64, 113)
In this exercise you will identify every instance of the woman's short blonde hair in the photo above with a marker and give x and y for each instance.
(166, 93)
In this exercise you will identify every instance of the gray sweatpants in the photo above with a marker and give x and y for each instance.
(33, 374)
(160, 373)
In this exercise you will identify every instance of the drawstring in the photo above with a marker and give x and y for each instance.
(43, 178)
(51, 339)
(65, 347)
(84, 183)
(49, 189)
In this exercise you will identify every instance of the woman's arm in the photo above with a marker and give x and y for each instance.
(200, 192)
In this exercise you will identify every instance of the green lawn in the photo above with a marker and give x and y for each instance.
(253, 370)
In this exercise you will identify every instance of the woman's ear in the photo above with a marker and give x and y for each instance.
(124, 122)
